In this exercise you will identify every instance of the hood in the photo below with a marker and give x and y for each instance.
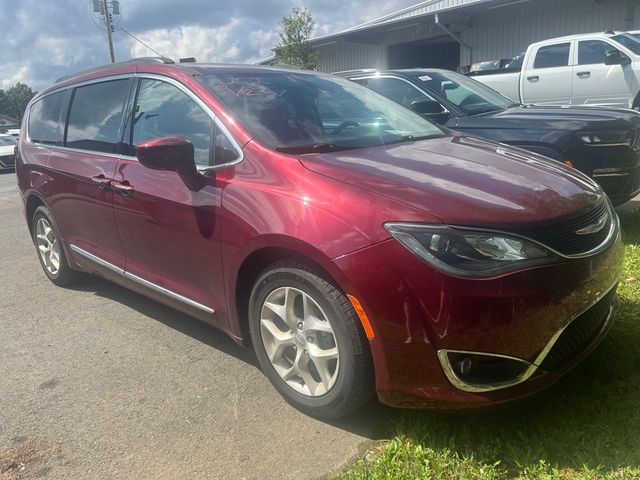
(580, 118)
(465, 181)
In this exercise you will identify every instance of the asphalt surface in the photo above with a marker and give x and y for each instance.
(99, 382)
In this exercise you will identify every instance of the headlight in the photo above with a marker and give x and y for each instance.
(608, 139)
(469, 253)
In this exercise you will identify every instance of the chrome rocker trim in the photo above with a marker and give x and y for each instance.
(140, 280)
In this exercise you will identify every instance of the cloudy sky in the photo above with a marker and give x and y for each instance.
(45, 39)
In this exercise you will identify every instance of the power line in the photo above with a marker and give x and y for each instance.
(140, 41)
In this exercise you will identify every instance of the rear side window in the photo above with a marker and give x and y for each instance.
(592, 51)
(96, 114)
(46, 119)
(164, 110)
(552, 56)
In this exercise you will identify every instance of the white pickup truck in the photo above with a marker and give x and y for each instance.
(593, 69)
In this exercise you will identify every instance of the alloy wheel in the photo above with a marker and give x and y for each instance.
(299, 341)
(48, 246)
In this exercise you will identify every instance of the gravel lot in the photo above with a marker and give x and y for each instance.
(99, 382)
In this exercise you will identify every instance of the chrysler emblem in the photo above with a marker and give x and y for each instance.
(595, 227)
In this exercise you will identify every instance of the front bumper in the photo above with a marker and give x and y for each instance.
(532, 316)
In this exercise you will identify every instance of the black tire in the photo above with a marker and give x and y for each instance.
(636, 102)
(64, 276)
(354, 381)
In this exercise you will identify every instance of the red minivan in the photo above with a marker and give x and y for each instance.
(358, 247)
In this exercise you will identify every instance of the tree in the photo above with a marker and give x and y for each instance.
(14, 100)
(295, 31)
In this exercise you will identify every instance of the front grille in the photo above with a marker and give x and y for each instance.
(579, 334)
(562, 237)
(7, 160)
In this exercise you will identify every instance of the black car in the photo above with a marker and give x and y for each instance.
(604, 143)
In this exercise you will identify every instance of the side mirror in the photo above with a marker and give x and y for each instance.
(616, 57)
(173, 154)
(427, 107)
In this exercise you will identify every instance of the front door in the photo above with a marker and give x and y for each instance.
(596, 83)
(170, 233)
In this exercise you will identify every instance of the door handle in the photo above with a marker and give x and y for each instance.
(533, 78)
(123, 187)
(583, 74)
(101, 181)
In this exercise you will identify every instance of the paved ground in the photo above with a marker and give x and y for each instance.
(102, 383)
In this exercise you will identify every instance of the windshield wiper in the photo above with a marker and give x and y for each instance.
(315, 148)
(414, 138)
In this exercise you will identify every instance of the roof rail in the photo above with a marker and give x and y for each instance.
(164, 60)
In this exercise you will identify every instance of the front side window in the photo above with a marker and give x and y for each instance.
(552, 56)
(592, 52)
(295, 112)
(398, 90)
(45, 119)
(96, 114)
(468, 95)
(163, 110)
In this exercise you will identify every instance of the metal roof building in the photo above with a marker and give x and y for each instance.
(448, 33)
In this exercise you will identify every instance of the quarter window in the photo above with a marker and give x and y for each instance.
(163, 110)
(552, 56)
(45, 119)
(592, 51)
(95, 116)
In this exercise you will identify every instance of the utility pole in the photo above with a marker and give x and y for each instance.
(107, 8)
(107, 24)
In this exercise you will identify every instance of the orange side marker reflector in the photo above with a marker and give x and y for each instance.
(568, 163)
(368, 329)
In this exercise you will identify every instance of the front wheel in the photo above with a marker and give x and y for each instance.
(309, 341)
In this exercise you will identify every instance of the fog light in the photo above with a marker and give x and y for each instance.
(480, 372)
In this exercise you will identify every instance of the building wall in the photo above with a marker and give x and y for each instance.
(343, 55)
(491, 33)
(505, 32)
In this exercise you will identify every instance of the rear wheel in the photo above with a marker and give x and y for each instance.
(309, 341)
(49, 248)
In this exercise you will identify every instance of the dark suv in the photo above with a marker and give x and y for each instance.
(360, 248)
(603, 143)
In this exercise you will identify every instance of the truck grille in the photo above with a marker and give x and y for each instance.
(579, 334)
(562, 237)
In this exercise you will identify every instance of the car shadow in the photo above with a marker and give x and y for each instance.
(185, 324)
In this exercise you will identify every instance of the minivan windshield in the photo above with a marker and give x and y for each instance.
(629, 41)
(468, 95)
(295, 112)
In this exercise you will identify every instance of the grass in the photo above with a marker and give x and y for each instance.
(585, 427)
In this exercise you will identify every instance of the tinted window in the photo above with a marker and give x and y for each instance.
(224, 151)
(45, 125)
(95, 116)
(398, 90)
(592, 51)
(7, 141)
(299, 113)
(163, 110)
(552, 56)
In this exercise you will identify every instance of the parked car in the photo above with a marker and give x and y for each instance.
(7, 146)
(356, 245)
(602, 143)
(593, 69)
(14, 132)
